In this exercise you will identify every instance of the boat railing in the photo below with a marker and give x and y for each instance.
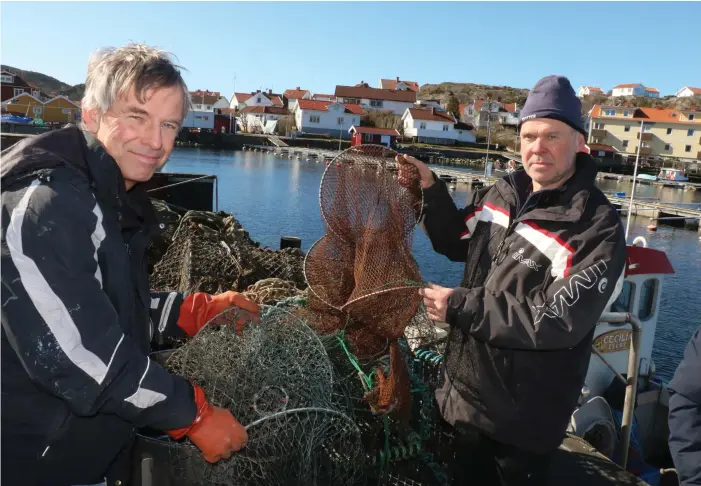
(631, 380)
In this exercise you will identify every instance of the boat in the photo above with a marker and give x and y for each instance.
(673, 175)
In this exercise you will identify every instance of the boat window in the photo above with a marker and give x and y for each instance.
(624, 302)
(648, 296)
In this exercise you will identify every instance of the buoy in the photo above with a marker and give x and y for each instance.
(652, 227)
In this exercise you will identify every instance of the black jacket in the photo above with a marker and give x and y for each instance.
(540, 269)
(77, 315)
(685, 414)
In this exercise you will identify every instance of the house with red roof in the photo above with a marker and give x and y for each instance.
(257, 117)
(326, 117)
(256, 98)
(323, 97)
(373, 135)
(634, 89)
(396, 101)
(589, 90)
(661, 132)
(291, 96)
(688, 91)
(436, 127)
(480, 112)
(399, 85)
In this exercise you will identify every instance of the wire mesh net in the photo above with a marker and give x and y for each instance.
(211, 252)
(277, 380)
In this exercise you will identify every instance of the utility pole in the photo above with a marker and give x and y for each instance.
(231, 118)
(635, 177)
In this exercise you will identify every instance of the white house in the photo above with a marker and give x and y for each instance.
(509, 114)
(634, 89)
(199, 119)
(589, 90)
(208, 100)
(257, 98)
(428, 104)
(326, 117)
(436, 126)
(688, 91)
(376, 99)
(399, 85)
(323, 97)
(292, 95)
(256, 117)
(478, 112)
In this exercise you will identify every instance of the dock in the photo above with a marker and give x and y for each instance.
(673, 214)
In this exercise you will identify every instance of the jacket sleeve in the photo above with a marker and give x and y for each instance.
(685, 414)
(563, 313)
(61, 324)
(448, 227)
(164, 313)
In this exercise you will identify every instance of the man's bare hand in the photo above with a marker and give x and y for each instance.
(405, 171)
(436, 301)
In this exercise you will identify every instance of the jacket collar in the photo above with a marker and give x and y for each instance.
(565, 203)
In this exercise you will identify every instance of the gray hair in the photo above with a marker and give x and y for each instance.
(112, 72)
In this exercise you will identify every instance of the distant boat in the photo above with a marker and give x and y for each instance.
(647, 177)
(669, 174)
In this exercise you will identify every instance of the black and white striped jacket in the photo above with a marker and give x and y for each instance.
(540, 268)
(77, 314)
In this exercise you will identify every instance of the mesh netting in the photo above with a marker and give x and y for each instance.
(362, 274)
(277, 380)
(210, 252)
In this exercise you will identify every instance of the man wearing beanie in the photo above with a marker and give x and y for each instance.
(521, 326)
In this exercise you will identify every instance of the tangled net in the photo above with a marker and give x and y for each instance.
(276, 379)
(361, 274)
(211, 252)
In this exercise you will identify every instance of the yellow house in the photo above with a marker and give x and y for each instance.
(61, 110)
(665, 132)
(24, 105)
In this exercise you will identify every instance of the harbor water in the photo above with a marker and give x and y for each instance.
(274, 196)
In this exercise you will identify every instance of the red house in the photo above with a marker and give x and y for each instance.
(372, 135)
(13, 85)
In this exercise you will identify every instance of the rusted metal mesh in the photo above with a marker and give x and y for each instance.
(362, 276)
(211, 252)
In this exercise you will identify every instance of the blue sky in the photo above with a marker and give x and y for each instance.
(319, 45)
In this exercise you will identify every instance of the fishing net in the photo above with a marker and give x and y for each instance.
(211, 252)
(277, 379)
(362, 274)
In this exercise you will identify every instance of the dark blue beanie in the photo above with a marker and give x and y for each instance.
(553, 97)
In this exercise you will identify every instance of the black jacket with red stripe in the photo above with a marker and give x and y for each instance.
(78, 318)
(540, 268)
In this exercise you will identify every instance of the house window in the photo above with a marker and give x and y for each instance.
(258, 100)
(7, 78)
(666, 147)
(18, 91)
(669, 131)
(627, 129)
(445, 128)
(66, 111)
(209, 107)
(35, 93)
(610, 112)
(339, 120)
(313, 118)
(598, 126)
(352, 101)
(376, 103)
(687, 148)
(422, 126)
(625, 112)
(690, 132)
(648, 296)
(625, 143)
(648, 128)
(37, 110)
(367, 137)
(691, 117)
(624, 302)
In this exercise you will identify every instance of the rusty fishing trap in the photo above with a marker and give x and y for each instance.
(335, 385)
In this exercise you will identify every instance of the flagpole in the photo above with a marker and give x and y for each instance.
(635, 178)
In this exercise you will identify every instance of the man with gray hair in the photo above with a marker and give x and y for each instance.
(78, 317)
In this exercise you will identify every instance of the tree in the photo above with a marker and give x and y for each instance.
(453, 105)
(242, 120)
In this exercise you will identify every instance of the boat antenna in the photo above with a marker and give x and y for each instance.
(635, 178)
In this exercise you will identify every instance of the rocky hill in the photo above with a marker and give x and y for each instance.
(466, 92)
(48, 84)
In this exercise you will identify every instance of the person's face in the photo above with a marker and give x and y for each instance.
(139, 136)
(548, 151)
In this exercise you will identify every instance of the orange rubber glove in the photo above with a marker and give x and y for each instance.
(214, 431)
(199, 308)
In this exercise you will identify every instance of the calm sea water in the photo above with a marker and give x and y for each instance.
(274, 197)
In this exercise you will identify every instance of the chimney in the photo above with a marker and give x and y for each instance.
(297, 88)
(270, 91)
(397, 78)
